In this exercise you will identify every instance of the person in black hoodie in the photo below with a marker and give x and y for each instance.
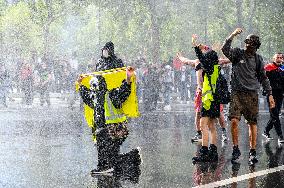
(208, 61)
(108, 59)
(108, 141)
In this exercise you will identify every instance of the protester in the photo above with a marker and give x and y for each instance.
(151, 88)
(247, 73)
(210, 105)
(44, 84)
(110, 124)
(168, 82)
(184, 82)
(4, 85)
(26, 78)
(275, 73)
(197, 100)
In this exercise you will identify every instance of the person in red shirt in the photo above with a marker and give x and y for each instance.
(275, 74)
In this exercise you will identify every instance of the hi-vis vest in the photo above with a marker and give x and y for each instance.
(207, 91)
(113, 78)
(112, 114)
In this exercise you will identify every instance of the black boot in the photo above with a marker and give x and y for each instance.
(103, 166)
(213, 154)
(252, 157)
(236, 154)
(203, 155)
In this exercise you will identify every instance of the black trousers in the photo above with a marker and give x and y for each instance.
(27, 89)
(183, 91)
(44, 95)
(109, 155)
(274, 120)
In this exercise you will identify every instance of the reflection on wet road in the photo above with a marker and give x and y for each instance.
(53, 148)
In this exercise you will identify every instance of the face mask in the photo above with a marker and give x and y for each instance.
(105, 54)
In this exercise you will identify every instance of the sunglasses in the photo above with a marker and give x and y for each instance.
(248, 41)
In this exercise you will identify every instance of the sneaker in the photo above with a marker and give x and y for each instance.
(213, 166)
(280, 146)
(280, 140)
(99, 171)
(252, 157)
(236, 154)
(203, 155)
(267, 136)
(204, 167)
(224, 136)
(213, 154)
(196, 138)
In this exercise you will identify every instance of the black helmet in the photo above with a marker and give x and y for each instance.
(253, 40)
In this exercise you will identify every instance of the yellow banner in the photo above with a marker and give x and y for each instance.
(113, 78)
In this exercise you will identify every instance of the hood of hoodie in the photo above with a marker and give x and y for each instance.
(109, 46)
(111, 62)
(212, 59)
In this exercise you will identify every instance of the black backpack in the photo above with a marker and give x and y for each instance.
(222, 93)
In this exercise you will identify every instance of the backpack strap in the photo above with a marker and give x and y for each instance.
(258, 66)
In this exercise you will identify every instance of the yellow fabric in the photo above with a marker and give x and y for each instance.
(112, 114)
(89, 115)
(85, 82)
(113, 78)
(130, 106)
(207, 93)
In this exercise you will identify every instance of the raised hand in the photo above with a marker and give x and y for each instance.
(194, 39)
(179, 55)
(129, 73)
(237, 31)
(81, 77)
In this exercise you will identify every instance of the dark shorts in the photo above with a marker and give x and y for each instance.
(213, 112)
(244, 103)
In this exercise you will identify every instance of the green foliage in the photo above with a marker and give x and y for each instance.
(20, 34)
(149, 28)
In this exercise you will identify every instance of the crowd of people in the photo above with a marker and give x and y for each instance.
(39, 77)
(248, 73)
(180, 79)
(168, 82)
(211, 93)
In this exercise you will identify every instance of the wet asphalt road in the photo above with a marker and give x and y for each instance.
(52, 147)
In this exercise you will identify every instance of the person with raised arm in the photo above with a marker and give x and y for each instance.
(197, 99)
(247, 74)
